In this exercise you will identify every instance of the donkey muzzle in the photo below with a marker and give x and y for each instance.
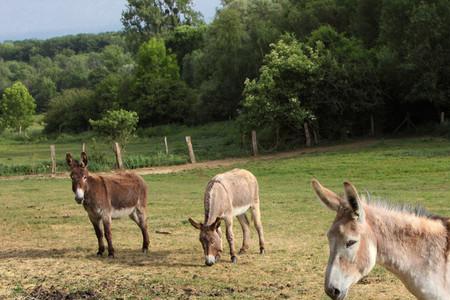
(210, 260)
(79, 196)
(335, 293)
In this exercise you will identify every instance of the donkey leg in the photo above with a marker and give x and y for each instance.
(141, 220)
(246, 232)
(108, 235)
(98, 232)
(256, 213)
(230, 238)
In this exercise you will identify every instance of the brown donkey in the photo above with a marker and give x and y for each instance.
(227, 195)
(410, 242)
(109, 197)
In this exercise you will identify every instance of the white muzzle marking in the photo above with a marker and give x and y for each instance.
(79, 195)
(210, 260)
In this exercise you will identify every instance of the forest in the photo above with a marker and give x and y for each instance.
(335, 66)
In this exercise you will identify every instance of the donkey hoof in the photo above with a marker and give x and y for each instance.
(262, 251)
(145, 250)
(234, 259)
(99, 253)
(111, 255)
(242, 251)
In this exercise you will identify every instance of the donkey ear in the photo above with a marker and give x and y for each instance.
(195, 224)
(216, 224)
(353, 200)
(84, 159)
(329, 198)
(69, 159)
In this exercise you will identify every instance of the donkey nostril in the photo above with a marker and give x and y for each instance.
(333, 292)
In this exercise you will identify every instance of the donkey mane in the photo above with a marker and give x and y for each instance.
(207, 198)
(407, 208)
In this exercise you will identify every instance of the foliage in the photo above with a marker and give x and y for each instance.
(144, 19)
(158, 94)
(375, 58)
(17, 107)
(70, 111)
(116, 125)
(278, 97)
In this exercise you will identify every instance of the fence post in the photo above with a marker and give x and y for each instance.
(118, 153)
(167, 146)
(307, 135)
(83, 147)
(53, 157)
(254, 143)
(191, 150)
(372, 126)
(442, 117)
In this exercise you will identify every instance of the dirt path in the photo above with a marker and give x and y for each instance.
(217, 163)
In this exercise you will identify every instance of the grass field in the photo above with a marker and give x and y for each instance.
(48, 245)
(21, 155)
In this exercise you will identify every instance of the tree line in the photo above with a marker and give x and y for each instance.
(275, 65)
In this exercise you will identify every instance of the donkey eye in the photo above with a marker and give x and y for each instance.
(350, 243)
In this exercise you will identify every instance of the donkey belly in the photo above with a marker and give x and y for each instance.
(119, 213)
(237, 211)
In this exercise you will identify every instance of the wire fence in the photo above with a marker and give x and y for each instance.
(46, 158)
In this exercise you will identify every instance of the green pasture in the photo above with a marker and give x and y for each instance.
(31, 155)
(48, 245)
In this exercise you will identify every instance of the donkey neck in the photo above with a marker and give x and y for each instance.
(92, 181)
(213, 202)
(414, 248)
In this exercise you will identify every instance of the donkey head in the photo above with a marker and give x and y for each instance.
(211, 239)
(79, 175)
(352, 244)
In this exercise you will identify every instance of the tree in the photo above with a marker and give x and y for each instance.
(144, 19)
(116, 125)
(70, 111)
(43, 90)
(236, 43)
(17, 107)
(277, 98)
(158, 94)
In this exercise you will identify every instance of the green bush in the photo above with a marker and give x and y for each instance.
(116, 125)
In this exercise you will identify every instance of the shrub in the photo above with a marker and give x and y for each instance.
(116, 125)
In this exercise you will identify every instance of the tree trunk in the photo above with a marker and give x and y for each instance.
(307, 135)
(372, 126)
(254, 143)
(315, 136)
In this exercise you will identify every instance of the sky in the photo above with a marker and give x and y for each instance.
(25, 19)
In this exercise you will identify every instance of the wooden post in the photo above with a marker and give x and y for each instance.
(372, 126)
(118, 153)
(442, 117)
(167, 146)
(254, 143)
(307, 135)
(191, 150)
(83, 147)
(53, 157)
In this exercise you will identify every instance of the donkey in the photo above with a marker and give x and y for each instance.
(409, 242)
(227, 195)
(109, 197)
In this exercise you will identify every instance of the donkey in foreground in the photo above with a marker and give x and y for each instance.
(411, 243)
(227, 195)
(109, 197)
